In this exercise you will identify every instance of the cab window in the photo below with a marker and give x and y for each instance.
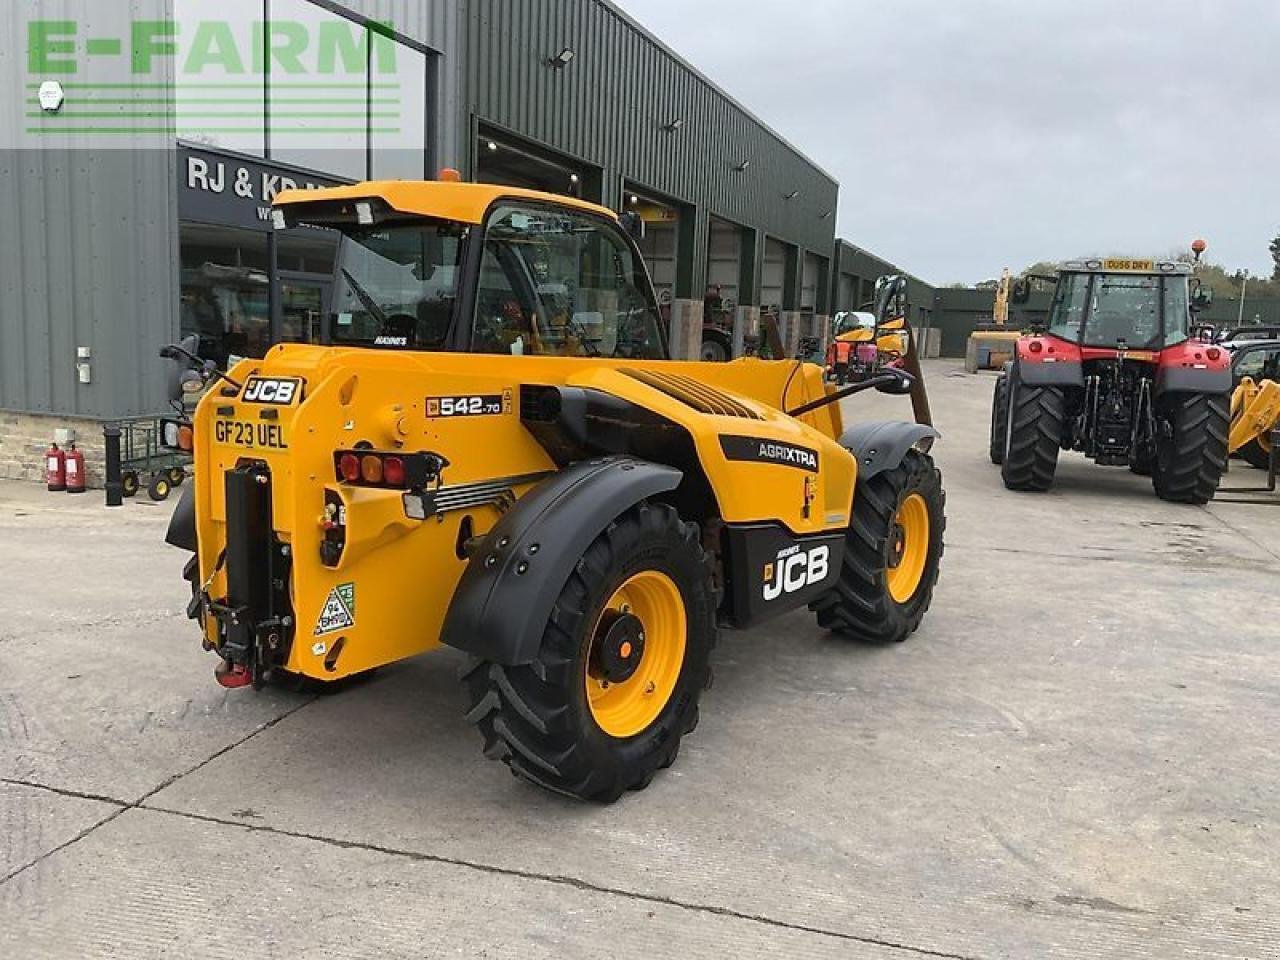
(1066, 315)
(1258, 364)
(554, 283)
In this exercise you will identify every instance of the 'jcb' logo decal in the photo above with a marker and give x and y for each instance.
(796, 569)
(277, 392)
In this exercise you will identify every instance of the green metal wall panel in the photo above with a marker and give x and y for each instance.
(611, 105)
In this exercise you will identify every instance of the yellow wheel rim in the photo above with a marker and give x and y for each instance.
(653, 637)
(908, 548)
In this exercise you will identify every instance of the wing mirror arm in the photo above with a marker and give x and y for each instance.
(900, 381)
(207, 369)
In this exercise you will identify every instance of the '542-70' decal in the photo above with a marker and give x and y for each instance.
(471, 405)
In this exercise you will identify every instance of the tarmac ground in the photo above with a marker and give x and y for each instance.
(1075, 756)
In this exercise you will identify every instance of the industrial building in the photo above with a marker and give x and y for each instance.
(142, 158)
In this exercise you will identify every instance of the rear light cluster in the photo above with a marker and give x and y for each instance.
(390, 471)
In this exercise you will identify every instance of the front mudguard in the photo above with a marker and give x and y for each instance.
(505, 597)
(881, 446)
(182, 524)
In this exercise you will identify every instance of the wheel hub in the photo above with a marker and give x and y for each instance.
(897, 545)
(619, 647)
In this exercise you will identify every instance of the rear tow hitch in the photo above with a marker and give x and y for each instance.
(233, 676)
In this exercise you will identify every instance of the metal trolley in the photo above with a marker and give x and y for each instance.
(152, 451)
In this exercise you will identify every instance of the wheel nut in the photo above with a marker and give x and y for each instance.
(650, 688)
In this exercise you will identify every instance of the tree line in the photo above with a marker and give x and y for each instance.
(1223, 282)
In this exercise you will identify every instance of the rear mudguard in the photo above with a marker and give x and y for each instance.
(182, 524)
(507, 592)
(1190, 380)
(882, 446)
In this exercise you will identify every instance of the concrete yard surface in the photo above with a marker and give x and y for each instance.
(1075, 757)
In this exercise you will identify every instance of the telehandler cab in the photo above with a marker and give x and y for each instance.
(495, 454)
(1120, 375)
(864, 343)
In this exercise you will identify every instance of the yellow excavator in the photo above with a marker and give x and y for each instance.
(991, 345)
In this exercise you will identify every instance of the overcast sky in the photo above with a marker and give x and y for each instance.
(969, 135)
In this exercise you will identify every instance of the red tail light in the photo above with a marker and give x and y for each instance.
(1213, 353)
(1035, 346)
(393, 474)
(349, 468)
(391, 471)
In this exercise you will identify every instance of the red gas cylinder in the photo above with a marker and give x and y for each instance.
(55, 469)
(75, 470)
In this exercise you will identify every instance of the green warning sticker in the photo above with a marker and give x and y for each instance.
(339, 611)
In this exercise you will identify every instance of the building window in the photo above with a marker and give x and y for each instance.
(398, 114)
(219, 95)
(319, 104)
(225, 291)
(293, 82)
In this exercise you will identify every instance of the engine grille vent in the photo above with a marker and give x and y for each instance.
(694, 394)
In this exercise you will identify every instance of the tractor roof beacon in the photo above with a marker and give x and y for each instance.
(1121, 374)
(493, 452)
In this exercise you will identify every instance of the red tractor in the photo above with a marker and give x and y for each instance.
(1119, 374)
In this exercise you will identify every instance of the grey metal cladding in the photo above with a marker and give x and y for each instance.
(611, 104)
(91, 255)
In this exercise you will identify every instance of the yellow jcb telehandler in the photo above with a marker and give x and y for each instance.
(494, 453)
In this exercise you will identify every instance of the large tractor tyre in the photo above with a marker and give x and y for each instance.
(622, 664)
(1256, 454)
(1142, 466)
(893, 550)
(999, 418)
(1192, 455)
(1037, 419)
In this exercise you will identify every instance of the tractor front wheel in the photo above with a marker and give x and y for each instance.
(893, 550)
(999, 418)
(1191, 454)
(622, 665)
(1036, 421)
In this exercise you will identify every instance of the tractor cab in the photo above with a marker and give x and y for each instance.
(1122, 305)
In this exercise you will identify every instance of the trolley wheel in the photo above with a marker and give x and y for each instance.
(177, 476)
(129, 483)
(160, 487)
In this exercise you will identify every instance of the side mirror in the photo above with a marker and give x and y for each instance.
(1202, 298)
(1021, 293)
(633, 223)
(183, 375)
(899, 386)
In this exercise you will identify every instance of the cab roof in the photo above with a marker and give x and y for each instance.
(1163, 268)
(440, 199)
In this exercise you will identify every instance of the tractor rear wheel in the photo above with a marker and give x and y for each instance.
(893, 550)
(1192, 457)
(622, 664)
(1037, 418)
(1256, 454)
(999, 418)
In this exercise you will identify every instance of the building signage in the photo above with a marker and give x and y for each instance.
(232, 191)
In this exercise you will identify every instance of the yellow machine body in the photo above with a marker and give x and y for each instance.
(1255, 414)
(398, 573)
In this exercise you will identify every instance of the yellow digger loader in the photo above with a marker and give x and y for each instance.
(492, 452)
